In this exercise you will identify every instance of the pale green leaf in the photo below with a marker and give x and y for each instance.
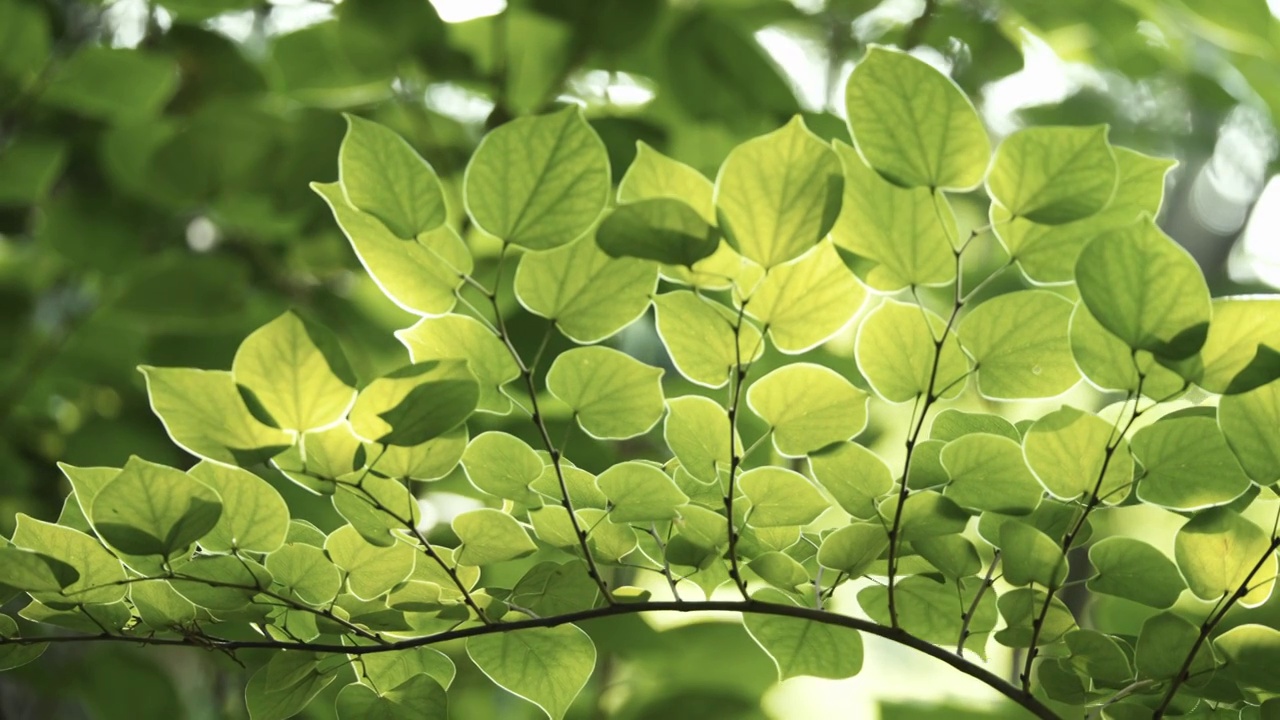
(1251, 423)
(808, 407)
(459, 337)
(377, 507)
(896, 352)
(1135, 571)
(953, 555)
(913, 124)
(383, 176)
(538, 182)
(269, 699)
(932, 610)
(988, 472)
(697, 431)
(779, 570)
(892, 237)
(806, 647)
(1067, 450)
(639, 492)
(1107, 362)
(431, 460)
(556, 588)
(1239, 326)
(589, 295)
(1019, 344)
(1217, 550)
(855, 476)
(100, 574)
(1053, 175)
(1099, 656)
(1021, 608)
(1030, 556)
(254, 516)
(416, 403)
(781, 497)
(1164, 644)
(296, 369)
(699, 335)
(803, 303)
(371, 570)
(778, 195)
(924, 514)
(418, 698)
(852, 548)
(306, 572)
(35, 573)
(490, 536)
(952, 424)
(150, 509)
(665, 230)
(546, 666)
(390, 669)
(503, 465)
(1187, 464)
(1252, 652)
(613, 396)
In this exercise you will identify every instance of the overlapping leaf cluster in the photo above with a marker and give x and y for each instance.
(962, 529)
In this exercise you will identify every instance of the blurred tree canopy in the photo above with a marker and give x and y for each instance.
(155, 159)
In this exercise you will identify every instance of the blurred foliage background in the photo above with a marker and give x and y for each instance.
(155, 155)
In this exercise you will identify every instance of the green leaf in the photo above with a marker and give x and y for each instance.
(538, 182)
(806, 647)
(204, 414)
(924, 514)
(421, 275)
(371, 570)
(418, 698)
(803, 303)
(390, 669)
(1187, 464)
(1067, 450)
(306, 572)
(932, 610)
(490, 536)
(808, 407)
(1021, 607)
(1053, 175)
(414, 404)
(459, 337)
(852, 548)
(1019, 344)
(546, 666)
(254, 516)
(988, 472)
(666, 230)
(1135, 571)
(613, 396)
(639, 492)
(855, 476)
(112, 84)
(1252, 652)
(1099, 656)
(32, 572)
(151, 509)
(1109, 363)
(296, 369)
(432, 460)
(13, 655)
(952, 424)
(1251, 424)
(778, 195)
(1164, 644)
(891, 236)
(1030, 556)
(503, 465)
(953, 555)
(267, 698)
(1239, 326)
(1146, 289)
(589, 295)
(383, 176)
(221, 583)
(101, 577)
(1218, 549)
(377, 508)
(698, 334)
(896, 350)
(29, 166)
(781, 497)
(779, 570)
(913, 124)
(556, 588)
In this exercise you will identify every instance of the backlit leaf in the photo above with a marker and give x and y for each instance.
(150, 509)
(383, 176)
(546, 666)
(1218, 549)
(459, 337)
(896, 350)
(612, 395)
(803, 303)
(808, 407)
(1053, 175)
(1019, 343)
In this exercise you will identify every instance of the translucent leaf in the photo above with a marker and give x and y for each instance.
(953, 555)
(1030, 556)
(588, 294)
(913, 124)
(419, 275)
(924, 514)
(608, 541)
(32, 572)
(490, 536)
(952, 424)
(546, 666)
(1217, 549)
(1252, 653)
(1106, 361)
(613, 396)
(390, 669)
(1048, 253)
(781, 497)
(808, 407)
(418, 698)
(1187, 463)
(459, 337)
(1251, 423)
(698, 334)
(855, 476)
(1239, 326)
(86, 482)
(538, 182)
(777, 195)
(803, 303)
(268, 700)
(254, 516)
(1146, 289)
(780, 570)
(150, 509)
(306, 572)
(12, 656)
(988, 472)
(580, 484)
(431, 460)
(296, 369)
(805, 647)
(383, 176)
(1021, 607)
(371, 570)
(852, 548)
(896, 350)
(1019, 344)
(414, 404)
(1135, 571)
(320, 457)
(204, 414)
(1099, 656)
(1067, 450)
(377, 507)
(503, 465)
(221, 583)
(556, 588)
(1164, 644)
(100, 574)
(665, 230)
(1053, 175)
(892, 236)
(931, 610)
(639, 492)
